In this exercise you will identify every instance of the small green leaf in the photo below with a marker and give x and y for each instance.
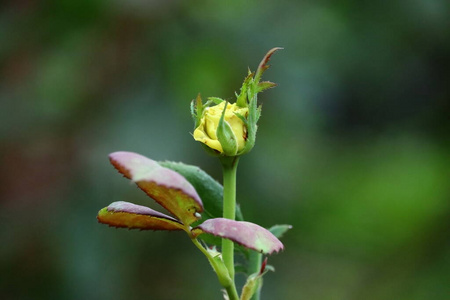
(279, 230)
(168, 188)
(247, 234)
(128, 215)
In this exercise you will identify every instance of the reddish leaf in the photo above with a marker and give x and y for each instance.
(167, 187)
(247, 234)
(263, 64)
(132, 216)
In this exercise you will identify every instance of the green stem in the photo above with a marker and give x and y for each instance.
(229, 166)
(254, 266)
(221, 271)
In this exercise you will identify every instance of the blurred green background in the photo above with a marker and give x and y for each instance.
(352, 149)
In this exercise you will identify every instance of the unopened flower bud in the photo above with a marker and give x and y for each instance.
(228, 137)
(229, 130)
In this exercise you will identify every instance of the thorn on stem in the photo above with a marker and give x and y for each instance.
(263, 266)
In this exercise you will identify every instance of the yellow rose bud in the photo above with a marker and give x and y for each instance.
(206, 132)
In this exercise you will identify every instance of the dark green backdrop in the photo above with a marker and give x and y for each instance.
(353, 145)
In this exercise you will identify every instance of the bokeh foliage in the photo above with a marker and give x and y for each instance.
(352, 149)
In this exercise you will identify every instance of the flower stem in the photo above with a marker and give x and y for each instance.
(229, 166)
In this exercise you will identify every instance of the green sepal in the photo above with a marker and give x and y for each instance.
(258, 112)
(252, 119)
(197, 110)
(243, 119)
(264, 85)
(226, 136)
(216, 100)
(241, 100)
(263, 66)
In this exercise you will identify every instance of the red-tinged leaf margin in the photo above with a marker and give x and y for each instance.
(247, 234)
(263, 66)
(128, 215)
(170, 189)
